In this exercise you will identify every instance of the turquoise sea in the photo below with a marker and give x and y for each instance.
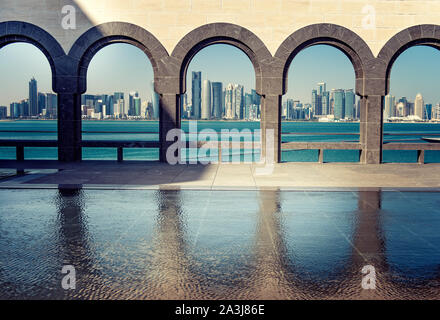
(148, 131)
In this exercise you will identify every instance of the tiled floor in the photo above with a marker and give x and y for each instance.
(285, 175)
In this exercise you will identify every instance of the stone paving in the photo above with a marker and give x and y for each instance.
(229, 176)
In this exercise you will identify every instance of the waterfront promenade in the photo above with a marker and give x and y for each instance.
(153, 175)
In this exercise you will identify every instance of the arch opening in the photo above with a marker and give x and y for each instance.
(120, 103)
(320, 103)
(28, 106)
(219, 98)
(411, 108)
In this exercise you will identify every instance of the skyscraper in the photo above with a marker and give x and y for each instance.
(206, 100)
(428, 111)
(229, 107)
(33, 99)
(325, 101)
(419, 106)
(238, 101)
(349, 104)
(321, 88)
(131, 109)
(155, 101)
(390, 102)
(137, 106)
(339, 97)
(41, 102)
(217, 98)
(196, 94)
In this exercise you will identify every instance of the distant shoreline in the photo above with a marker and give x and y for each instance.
(226, 121)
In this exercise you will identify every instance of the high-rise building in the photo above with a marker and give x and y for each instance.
(41, 102)
(155, 101)
(3, 112)
(131, 109)
(436, 112)
(24, 108)
(315, 102)
(321, 88)
(33, 97)
(217, 99)
(255, 97)
(349, 104)
(206, 100)
(229, 107)
(390, 104)
(51, 105)
(196, 94)
(428, 112)
(247, 105)
(325, 101)
(339, 98)
(418, 107)
(14, 110)
(137, 106)
(238, 100)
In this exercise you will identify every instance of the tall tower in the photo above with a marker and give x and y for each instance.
(419, 106)
(390, 102)
(321, 88)
(339, 97)
(131, 109)
(33, 99)
(229, 106)
(155, 101)
(206, 100)
(238, 101)
(349, 104)
(196, 94)
(217, 97)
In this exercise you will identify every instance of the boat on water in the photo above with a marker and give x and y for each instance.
(435, 140)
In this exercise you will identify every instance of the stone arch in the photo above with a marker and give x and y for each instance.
(18, 31)
(426, 34)
(224, 33)
(89, 43)
(337, 36)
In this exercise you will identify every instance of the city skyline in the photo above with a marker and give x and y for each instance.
(212, 102)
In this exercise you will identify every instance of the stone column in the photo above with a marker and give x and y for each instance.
(371, 127)
(169, 119)
(69, 127)
(271, 121)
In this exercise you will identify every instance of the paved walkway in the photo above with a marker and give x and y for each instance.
(229, 176)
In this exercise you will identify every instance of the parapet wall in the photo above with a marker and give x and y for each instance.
(375, 21)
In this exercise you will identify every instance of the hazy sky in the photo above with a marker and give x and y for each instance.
(122, 67)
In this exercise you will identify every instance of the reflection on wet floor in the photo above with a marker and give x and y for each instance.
(171, 244)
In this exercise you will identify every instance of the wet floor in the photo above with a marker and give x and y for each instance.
(153, 244)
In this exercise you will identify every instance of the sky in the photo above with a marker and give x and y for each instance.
(122, 67)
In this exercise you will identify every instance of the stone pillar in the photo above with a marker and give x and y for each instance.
(271, 120)
(371, 129)
(169, 115)
(69, 127)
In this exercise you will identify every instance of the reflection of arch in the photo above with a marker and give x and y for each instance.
(17, 31)
(171, 275)
(339, 37)
(105, 34)
(75, 241)
(426, 34)
(226, 33)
